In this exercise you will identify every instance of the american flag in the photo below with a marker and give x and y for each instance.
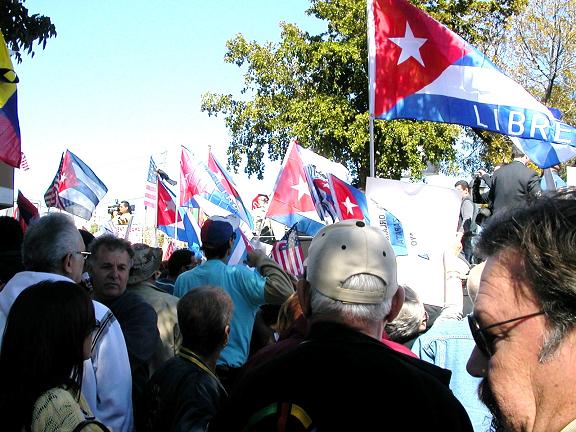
(24, 162)
(288, 253)
(151, 191)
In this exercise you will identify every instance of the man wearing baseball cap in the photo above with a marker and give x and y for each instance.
(342, 377)
(269, 284)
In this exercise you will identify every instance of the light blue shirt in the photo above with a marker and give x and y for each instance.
(245, 287)
(448, 344)
(558, 182)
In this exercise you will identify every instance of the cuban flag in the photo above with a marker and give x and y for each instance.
(166, 213)
(75, 188)
(226, 180)
(200, 188)
(419, 69)
(177, 223)
(350, 202)
(10, 152)
(292, 201)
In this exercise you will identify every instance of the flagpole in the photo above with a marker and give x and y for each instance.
(371, 126)
(370, 38)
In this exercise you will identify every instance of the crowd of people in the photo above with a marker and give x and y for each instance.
(99, 334)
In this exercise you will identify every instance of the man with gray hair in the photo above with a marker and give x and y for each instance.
(342, 377)
(53, 249)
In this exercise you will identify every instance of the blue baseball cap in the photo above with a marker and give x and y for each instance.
(215, 233)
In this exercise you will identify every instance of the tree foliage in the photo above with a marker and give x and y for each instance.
(542, 47)
(21, 30)
(315, 88)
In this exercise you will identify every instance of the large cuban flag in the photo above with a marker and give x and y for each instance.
(420, 70)
(75, 188)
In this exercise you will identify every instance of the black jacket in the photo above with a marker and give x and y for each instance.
(341, 380)
(180, 396)
(513, 185)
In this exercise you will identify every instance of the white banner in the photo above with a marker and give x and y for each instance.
(429, 218)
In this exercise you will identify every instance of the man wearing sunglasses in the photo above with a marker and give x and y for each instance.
(524, 318)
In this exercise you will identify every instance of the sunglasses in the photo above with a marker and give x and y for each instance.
(484, 340)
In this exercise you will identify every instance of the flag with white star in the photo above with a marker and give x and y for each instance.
(178, 223)
(291, 201)
(75, 189)
(201, 188)
(419, 69)
(350, 202)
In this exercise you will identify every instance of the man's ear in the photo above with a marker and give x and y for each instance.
(67, 264)
(397, 302)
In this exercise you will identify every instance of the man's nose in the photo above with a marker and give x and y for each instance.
(477, 363)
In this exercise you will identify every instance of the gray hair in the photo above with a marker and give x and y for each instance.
(47, 241)
(111, 243)
(406, 325)
(328, 308)
(543, 237)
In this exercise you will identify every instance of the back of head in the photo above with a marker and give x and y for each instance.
(87, 237)
(543, 237)
(43, 345)
(289, 312)
(473, 282)
(203, 314)
(145, 263)
(407, 324)
(10, 233)
(215, 235)
(47, 241)
(351, 268)
(517, 153)
(10, 255)
(179, 258)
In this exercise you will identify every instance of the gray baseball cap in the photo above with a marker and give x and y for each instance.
(349, 248)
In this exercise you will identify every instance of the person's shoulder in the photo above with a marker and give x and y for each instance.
(56, 407)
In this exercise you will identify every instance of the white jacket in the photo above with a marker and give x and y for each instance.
(107, 381)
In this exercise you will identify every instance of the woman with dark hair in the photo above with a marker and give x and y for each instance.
(48, 336)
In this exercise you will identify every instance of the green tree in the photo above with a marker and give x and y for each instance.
(315, 88)
(539, 52)
(21, 30)
(542, 53)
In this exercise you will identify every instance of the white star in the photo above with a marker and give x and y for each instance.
(301, 187)
(349, 205)
(410, 46)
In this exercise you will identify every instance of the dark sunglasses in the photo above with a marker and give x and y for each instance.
(484, 340)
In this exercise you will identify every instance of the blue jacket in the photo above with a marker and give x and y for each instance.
(448, 344)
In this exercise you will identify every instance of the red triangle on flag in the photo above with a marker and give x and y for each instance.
(292, 193)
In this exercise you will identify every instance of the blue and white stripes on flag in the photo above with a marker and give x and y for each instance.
(419, 69)
(75, 188)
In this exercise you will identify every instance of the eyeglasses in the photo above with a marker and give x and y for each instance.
(484, 340)
(84, 254)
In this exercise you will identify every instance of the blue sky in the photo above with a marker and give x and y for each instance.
(123, 80)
